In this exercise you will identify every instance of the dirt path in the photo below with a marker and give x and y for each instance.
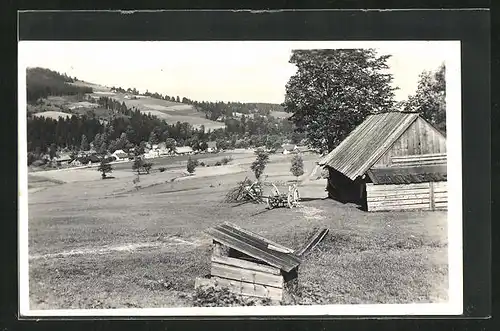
(129, 247)
(312, 213)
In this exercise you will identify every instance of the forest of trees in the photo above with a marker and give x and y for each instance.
(133, 128)
(41, 83)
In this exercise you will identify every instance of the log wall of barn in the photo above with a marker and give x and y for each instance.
(419, 138)
(417, 196)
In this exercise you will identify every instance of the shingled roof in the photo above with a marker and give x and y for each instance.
(368, 142)
(255, 246)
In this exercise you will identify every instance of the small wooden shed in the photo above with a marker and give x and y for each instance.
(391, 161)
(251, 265)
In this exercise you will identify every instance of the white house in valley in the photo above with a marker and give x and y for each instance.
(212, 146)
(120, 155)
(184, 150)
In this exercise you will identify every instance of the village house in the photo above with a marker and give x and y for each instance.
(75, 163)
(212, 146)
(288, 148)
(184, 150)
(391, 161)
(120, 155)
(63, 159)
(151, 154)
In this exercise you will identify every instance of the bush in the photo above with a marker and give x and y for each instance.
(218, 163)
(39, 163)
(162, 169)
(191, 165)
(147, 166)
(104, 168)
(297, 166)
(260, 163)
(226, 160)
(221, 297)
(202, 163)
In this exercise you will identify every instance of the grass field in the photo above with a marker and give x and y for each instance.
(105, 244)
(171, 112)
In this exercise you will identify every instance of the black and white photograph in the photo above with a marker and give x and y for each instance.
(182, 178)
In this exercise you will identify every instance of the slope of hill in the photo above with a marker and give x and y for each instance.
(171, 112)
(41, 83)
(52, 93)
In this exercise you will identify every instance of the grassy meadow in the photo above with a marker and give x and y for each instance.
(111, 244)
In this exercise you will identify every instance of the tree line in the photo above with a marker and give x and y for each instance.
(41, 83)
(212, 110)
(129, 129)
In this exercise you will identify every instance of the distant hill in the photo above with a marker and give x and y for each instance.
(54, 94)
(41, 83)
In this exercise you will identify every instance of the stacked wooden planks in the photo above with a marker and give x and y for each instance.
(245, 278)
(419, 160)
(416, 196)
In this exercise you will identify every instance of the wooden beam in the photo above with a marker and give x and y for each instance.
(246, 265)
(245, 275)
(431, 195)
(258, 236)
(254, 290)
(313, 242)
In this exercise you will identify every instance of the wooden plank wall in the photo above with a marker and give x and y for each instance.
(247, 278)
(419, 138)
(242, 288)
(418, 196)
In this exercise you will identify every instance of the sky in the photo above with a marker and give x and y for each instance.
(245, 71)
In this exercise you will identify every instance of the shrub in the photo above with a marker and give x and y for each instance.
(297, 166)
(218, 163)
(226, 160)
(162, 169)
(260, 163)
(202, 163)
(147, 167)
(222, 297)
(104, 168)
(191, 165)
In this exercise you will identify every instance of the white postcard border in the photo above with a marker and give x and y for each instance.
(455, 266)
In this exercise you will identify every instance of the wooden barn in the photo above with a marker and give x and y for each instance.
(391, 161)
(251, 265)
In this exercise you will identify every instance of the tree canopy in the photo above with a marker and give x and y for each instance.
(334, 90)
(430, 97)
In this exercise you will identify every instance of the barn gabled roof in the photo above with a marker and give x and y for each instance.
(368, 142)
(255, 246)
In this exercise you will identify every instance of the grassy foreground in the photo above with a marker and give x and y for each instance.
(102, 244)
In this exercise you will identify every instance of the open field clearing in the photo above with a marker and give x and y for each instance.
(53, 114)
(105, 244)
(171, 112)
(280, 114)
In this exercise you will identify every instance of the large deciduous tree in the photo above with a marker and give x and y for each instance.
(334, 90)
(430, 97)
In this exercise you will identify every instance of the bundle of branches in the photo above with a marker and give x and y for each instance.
(246, 190)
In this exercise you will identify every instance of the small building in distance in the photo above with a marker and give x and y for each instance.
(391, 161)
(184, 150)
(120, 155)
(289, 148)
(63, 159)
(212, 147)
